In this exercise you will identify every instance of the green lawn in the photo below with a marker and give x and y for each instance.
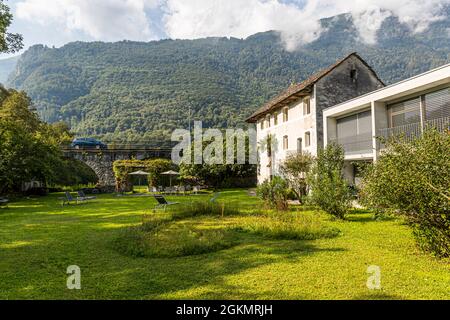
(39, 239)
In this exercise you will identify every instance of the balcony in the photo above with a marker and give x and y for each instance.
(412, 131)
(358, 144)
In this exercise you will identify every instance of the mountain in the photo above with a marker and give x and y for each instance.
(7, 66)
(132, 91)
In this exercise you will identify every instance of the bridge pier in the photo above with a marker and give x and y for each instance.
(104, 171)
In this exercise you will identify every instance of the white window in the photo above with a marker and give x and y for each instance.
(262, 124)
(307, 139)
(306, 106)
(299, 145)
(285, 143)
(285, 114)
(268, 121)
(275, 119)
(407, 112)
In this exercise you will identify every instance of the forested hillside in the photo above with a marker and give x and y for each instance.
(132, 91)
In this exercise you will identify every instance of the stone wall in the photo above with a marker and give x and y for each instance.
(339, 86)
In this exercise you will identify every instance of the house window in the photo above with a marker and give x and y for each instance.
(299, 145)
(262, 124)
(269, 145)
(306, 106)
(354, 74)
(285, 142)
(275, 118)
(404, 113)
(285, 114)
(268, 121)
(307, 139)
(437, 104)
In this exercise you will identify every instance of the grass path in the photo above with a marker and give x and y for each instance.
(39, 240)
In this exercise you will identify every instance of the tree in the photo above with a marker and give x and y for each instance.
(29, 148)
(329, 190)
(295, 169)
(412, 179)
(222, 175)
(9, 42)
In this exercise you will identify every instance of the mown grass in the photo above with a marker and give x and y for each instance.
(39, 239)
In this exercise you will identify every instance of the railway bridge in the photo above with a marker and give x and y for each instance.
(101, 160)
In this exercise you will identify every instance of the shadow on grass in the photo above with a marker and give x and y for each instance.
(196, 273)
(367, 217)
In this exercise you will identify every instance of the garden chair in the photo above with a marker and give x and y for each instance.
(67, 199)
(4, 202)
(196, 189)
(82, 196)
(162, 202)
(182, 190)
(154, 189)
(168, 190)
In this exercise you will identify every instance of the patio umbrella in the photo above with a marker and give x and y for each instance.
(170, 173)
(139, 173)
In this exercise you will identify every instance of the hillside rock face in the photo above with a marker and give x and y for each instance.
(131, 91)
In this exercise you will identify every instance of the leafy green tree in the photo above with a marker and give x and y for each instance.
(412, 179)
(29, 148)
(295, 169)
(329, 190)
(222, 175)
(9, 42)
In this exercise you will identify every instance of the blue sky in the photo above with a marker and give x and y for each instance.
(56, 22)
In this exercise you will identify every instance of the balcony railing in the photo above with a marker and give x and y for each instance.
(414, 130)
(359, 144)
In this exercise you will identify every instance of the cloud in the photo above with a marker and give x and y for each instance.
(298, 20)
(237, 18)
(108, 20)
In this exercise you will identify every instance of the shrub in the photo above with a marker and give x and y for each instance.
(329, 189)
(295, 169)
(413, 180)
(287, 227)
(275, 193)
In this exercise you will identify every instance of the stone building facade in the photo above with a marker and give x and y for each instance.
(293, 120)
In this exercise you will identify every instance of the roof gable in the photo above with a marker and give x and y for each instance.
(297, 91)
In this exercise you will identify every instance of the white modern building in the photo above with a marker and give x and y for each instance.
(406, 108)
(293, 121)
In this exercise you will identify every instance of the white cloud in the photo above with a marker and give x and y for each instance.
(189, 19)
(298, 20)
(108, 20)
(238, 18)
